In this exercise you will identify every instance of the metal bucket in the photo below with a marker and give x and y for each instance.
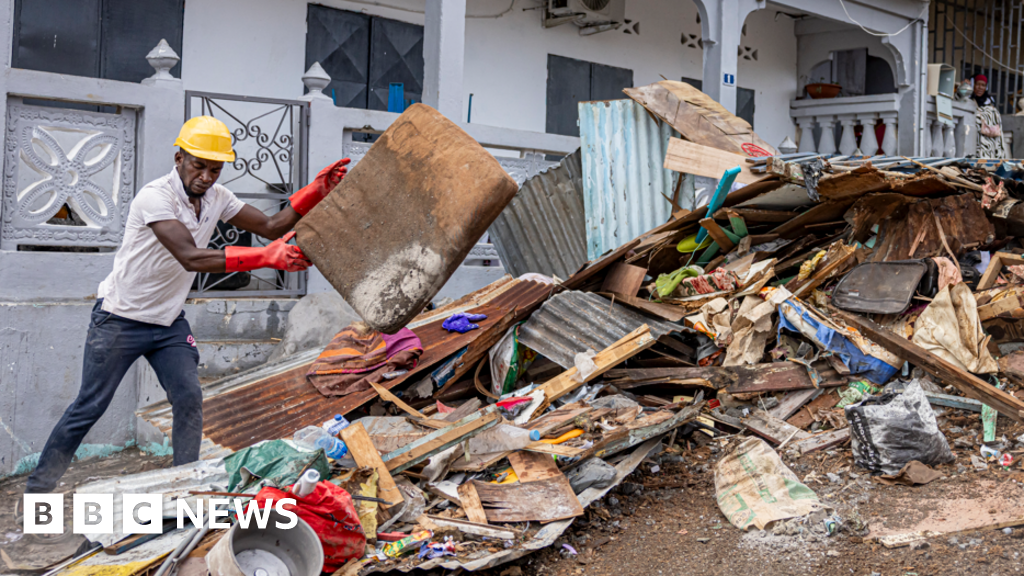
(268, 552)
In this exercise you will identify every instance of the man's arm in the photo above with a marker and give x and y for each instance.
(178, 241)
(273, 227)
(278, 255)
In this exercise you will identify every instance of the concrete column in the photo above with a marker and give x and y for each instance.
(936, 139)
(889, 138)
(960, 137)
(721, 30)
(949, 141)
(868, 140)
(909, 49)
(444, 40)
(828, 135)
(848, 140)
(806, 126)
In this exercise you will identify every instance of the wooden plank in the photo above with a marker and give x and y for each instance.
(464, 409)
(386, 394)
(543, 501)
(718, 235)
(623, 279)
(793, 401)
(825, 272)
(364, 454)
(471, 504)
(639, 431)
(1002, 306)
(824, 212)
(967, 383)
(822, 441)
(440, 440)
(758, 216)
(804, 417)
(772, 429)
(428, 487)
(475, 528)
(995, 266)
(533, 466)
(949, 401)
(663, 311)
(556, 449)
(693, 158)
(628, 346)
(772, 377)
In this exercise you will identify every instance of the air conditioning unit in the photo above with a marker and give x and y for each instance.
(591, 16)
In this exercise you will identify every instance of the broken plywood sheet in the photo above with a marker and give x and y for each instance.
(533, 466)
(852, 185)
(919, 230)
(692, 158)
(521, 502)
(389, 267)
(699, 118)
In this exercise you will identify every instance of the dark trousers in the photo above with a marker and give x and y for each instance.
(113, 344)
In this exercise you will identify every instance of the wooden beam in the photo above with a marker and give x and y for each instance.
(793, 401)
(628, 346)
(757, 216)
(1001, 306)
(386, 394)
(693, 158)
(718, 235)
(822, 441)
(995, 266)
(772, 429)
(364, 454)
(471, 504)
(967, 383)
(440, 440)
(824, 273)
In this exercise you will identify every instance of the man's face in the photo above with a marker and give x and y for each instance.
(979, 87)
(197, 174)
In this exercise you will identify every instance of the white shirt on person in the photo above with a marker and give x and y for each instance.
(147, 283)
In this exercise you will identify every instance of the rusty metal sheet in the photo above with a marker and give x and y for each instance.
(573, 322)
(395, 229)
(273, 402)
(542, 230)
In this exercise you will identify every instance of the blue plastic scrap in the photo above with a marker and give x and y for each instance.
(858, 362)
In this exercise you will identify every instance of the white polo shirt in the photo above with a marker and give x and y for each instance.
(148, 284)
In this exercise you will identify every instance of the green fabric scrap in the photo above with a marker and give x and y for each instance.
(277, 463)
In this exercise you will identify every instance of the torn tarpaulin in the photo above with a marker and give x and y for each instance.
(795, 316)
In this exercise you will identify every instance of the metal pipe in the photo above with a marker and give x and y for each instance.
(72, 561)
(177, 550)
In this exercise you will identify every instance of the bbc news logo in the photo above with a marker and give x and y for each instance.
(144, 513)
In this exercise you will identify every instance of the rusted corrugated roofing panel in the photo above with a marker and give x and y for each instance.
(272, 402)
(625, 184)
(542, 229)
(573, 322)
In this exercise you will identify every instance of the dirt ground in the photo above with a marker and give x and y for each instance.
(668, 522)
(664, 519)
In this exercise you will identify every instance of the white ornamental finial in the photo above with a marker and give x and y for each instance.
(162, 58)
(316, 79)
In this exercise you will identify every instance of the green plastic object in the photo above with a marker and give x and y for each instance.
(667, 283)
(276, 462)
(724, 185)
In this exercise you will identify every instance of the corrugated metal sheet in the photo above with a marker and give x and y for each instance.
(623, 177)
(542, 230)
(274, 401)
(174, 483)
(573, 322)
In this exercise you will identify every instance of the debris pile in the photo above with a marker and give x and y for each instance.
(813, 303)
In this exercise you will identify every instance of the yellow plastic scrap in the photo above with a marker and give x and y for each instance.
(564, 437)
(366, 510)
(807, 268)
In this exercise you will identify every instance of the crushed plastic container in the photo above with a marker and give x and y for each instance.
(335, 425)
(502, 438)
(313, 437)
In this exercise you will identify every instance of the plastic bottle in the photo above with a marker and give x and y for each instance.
(335, 425)
(502, 438)
(313, 437)
(307, 483)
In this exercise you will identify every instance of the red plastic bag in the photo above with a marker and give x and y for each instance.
(329, 511)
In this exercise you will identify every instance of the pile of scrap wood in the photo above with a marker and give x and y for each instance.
(814, 284)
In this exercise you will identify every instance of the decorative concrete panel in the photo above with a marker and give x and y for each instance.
(56, 158)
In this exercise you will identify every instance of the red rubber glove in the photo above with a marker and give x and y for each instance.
(311, 195)
(278, 255)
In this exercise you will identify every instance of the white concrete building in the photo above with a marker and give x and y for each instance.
(71, 70)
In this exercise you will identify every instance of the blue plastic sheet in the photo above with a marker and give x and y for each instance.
(858, 362)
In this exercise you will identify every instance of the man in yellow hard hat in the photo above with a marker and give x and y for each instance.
(138, 311)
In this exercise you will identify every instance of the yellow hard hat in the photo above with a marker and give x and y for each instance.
(206, 137)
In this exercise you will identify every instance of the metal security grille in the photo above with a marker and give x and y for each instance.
(270, 138)
(981, 37)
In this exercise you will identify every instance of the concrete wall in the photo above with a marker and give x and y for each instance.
(505, 58)
(817, 39)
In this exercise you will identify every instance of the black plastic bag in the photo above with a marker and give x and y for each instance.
(890, 430)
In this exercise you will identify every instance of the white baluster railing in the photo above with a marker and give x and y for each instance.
(848, 113)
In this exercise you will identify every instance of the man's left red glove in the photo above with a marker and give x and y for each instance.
(278, 255)
(311, 195)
